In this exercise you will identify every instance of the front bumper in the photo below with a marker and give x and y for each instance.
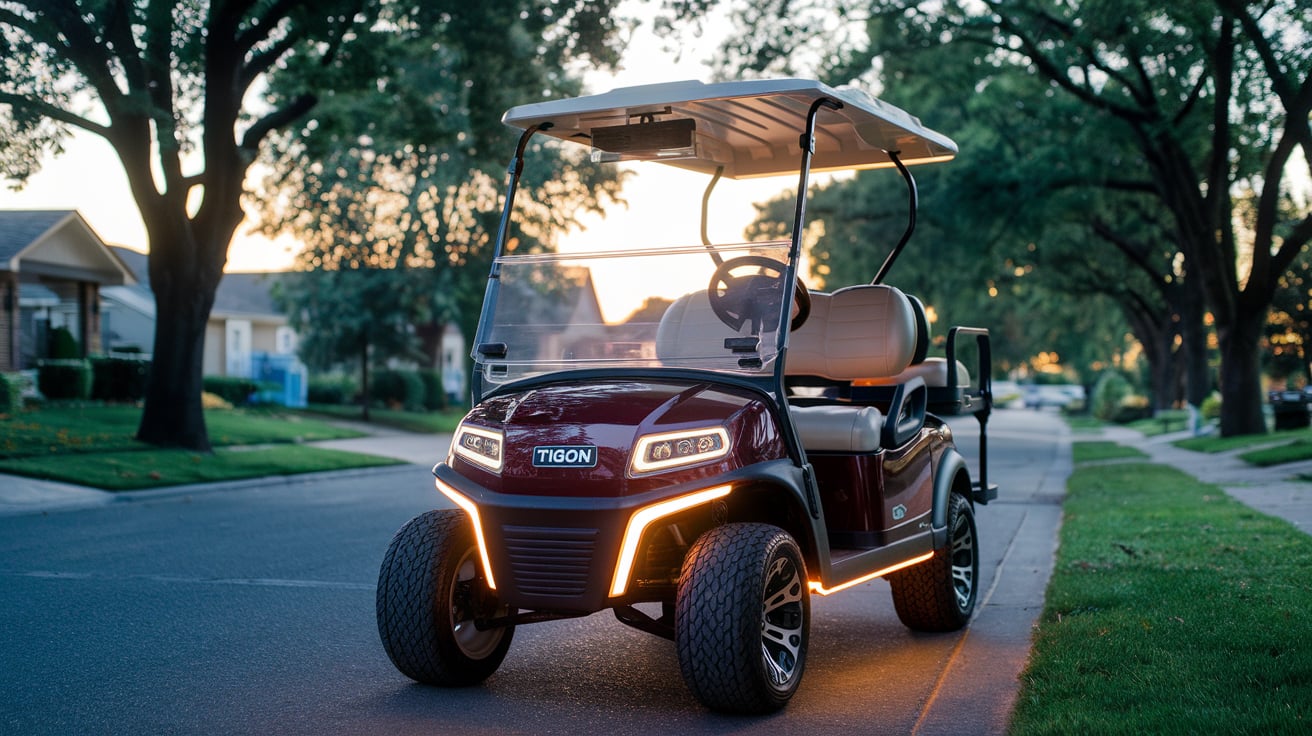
(561, 554)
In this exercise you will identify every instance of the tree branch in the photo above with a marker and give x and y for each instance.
(250, 142)
(54, 113)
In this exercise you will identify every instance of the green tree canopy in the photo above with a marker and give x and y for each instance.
(408, 203)
(175, 87)
(1212, 99)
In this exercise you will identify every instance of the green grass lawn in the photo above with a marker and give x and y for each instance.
(93, 445)
(426, 422)
(135, 470)
(63, 429)
(1172, 609)
(1094, 450)
(1083, 423)
(1225, 444)
(1165, 421)
(1299, 449)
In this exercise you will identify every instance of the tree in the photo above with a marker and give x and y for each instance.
(174, 87)
(402, 209)
(1229, 74)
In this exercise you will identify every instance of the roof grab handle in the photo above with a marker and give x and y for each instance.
(913, 200)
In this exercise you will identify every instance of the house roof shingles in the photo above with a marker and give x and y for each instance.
(19, 228)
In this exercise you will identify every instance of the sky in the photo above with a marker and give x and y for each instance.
(89, 178)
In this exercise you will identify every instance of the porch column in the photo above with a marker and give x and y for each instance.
(9, 322)
(88, 322)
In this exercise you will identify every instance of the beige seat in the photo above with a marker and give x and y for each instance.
(856, 333)
(690, 329)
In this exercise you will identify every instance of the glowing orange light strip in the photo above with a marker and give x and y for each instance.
(458, 499)
(643, 518)
(822, 590)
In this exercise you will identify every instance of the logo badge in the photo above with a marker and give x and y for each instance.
(565, 456)
(899, 512)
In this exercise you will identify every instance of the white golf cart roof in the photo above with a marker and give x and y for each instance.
(751, 128)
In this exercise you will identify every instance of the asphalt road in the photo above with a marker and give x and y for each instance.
(251, 611)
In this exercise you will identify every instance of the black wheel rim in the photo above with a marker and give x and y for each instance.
(964, 564)
(782, 622)
(468, 595)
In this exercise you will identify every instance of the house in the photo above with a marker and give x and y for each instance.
(244, 322)
(53, 268)
(55, 272)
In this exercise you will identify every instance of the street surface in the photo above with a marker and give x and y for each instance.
(251, 611)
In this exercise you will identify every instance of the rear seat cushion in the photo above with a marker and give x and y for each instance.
(865, 331)
(838, 428)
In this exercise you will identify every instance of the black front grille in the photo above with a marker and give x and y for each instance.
(550, 562)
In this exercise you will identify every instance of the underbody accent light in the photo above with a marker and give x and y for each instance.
(643, 518)
(470, 508)
(816, 587)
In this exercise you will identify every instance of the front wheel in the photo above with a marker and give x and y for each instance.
(742, 618)
(431, 596)
(939, 594)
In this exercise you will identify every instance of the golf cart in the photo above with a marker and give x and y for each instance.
(703, 464)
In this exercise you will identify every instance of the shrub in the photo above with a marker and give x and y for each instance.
(11, 393)
(1211, 407)
(64, 379)
(1131, 409)
(119, 379)
(330, 390)
(434, 395)
(396, 388)
(1108, 393)
(232, 389)
(63, 346)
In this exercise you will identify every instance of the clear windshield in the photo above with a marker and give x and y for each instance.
(650, 308)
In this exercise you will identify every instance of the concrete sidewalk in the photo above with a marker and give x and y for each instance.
(1275, 490)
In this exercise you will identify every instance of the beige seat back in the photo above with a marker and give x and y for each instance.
(858, 332)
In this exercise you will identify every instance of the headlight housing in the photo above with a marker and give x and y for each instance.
(483, 447)
(655, 452)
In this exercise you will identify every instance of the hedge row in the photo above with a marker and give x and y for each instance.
(11, 393)
(407, 389)
(106, 379)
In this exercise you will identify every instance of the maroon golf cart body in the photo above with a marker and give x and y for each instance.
(722, 453)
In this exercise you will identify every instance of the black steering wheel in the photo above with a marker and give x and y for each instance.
(750, 297)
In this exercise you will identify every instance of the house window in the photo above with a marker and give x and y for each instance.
(284, 340)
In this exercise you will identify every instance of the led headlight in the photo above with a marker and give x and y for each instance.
(484, 447)
(672, 449)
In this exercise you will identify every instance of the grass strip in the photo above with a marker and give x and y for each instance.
(1096, 450)
(434, 422)
(1299, 449)
(1083, 423)
(1225, 444)
(70, 429)
(1163, 422)
(1172, 609)
(136, 470)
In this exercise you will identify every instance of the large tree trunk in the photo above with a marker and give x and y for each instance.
(1241, 376)
(186, 263)
(173, 415)
(1193, 348)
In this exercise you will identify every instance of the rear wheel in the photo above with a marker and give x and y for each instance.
(939, 594)
(742, 618)
(431, 592)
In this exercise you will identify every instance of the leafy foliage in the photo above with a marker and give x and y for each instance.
(1186, 116)
(191, 92)
(399, 212)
